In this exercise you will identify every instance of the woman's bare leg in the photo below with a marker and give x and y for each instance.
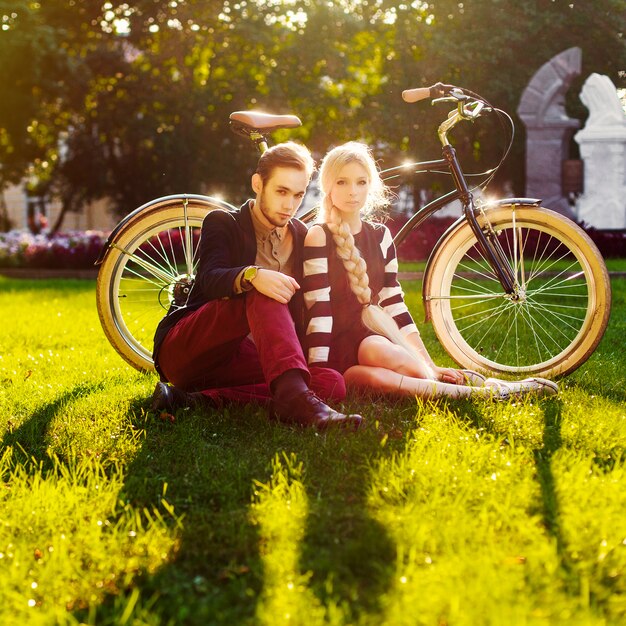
(371, 378)
(377, 351)
(389, 368)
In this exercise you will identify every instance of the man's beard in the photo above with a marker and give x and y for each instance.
(261, 206)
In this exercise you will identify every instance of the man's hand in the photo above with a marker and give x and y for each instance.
(275, 285)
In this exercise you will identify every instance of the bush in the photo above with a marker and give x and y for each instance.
(419, 243)
(417, 246)
(71, 250)
(611, 243)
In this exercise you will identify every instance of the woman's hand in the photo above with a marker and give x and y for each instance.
(449, 375)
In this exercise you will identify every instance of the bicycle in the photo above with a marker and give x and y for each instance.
(510, 288)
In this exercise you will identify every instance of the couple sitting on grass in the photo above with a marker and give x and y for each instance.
(292, 317)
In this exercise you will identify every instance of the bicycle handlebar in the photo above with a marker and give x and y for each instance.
(469, 106)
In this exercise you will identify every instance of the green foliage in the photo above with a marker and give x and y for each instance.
(129, 101)
(438, 513)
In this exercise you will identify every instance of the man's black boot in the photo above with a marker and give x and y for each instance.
(306, 409)
(170, 398)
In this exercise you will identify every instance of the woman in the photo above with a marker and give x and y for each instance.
(357, 320)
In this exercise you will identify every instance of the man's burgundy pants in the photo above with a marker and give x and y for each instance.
(233, 349)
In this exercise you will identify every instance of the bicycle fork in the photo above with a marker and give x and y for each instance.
(487, 240)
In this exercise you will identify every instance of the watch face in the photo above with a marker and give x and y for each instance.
(250, 274)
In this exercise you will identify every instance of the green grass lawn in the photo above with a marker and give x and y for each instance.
(458, 513)
(613, 265)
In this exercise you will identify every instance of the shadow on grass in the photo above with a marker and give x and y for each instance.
(552, 441)
(205, 465)
(29, 439)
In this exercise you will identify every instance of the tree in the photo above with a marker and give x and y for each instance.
(130, 100)
(495, 47)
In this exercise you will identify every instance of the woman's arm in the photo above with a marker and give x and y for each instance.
(392, 300)
(316, 292)
(444, 374)
(391, 296)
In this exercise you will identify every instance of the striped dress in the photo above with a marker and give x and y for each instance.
(334, 329)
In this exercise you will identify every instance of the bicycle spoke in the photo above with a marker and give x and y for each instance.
(169, 261)
(148, 273)
(522, 264)
(538, 321)
(187, 249)
(155, 270)
(513, 324)
(479, 324)
(472, 271)
(544, 312)
(479, 297)
(155, 253)
(535, 335)
(564, 283)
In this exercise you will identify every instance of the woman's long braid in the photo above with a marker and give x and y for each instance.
(353, 261)
(373, 316)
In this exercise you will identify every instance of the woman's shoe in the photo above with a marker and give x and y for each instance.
(505, 389)
(473, 379)
(542, 385)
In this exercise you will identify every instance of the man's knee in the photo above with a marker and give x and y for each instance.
(328, 384)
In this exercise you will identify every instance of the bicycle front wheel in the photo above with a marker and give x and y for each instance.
(558, 313)
(150, 266)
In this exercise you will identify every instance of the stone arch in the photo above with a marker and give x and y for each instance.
(548, 128)
(543, 99)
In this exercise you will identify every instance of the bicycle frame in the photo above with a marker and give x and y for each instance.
(486, 239)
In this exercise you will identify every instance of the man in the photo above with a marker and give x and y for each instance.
(237, 337)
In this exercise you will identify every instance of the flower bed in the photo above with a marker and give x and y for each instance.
(71, 250)
(80, 249)
(611, 243)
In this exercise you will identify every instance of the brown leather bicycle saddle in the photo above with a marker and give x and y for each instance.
(246, 121)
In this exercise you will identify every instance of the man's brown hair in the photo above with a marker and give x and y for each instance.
(288, 154)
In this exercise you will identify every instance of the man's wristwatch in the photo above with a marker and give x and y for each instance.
(249, 274)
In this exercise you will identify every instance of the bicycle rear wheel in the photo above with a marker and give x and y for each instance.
(559, 311)
(150, 266)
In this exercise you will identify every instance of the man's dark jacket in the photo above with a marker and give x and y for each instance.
(227, 246)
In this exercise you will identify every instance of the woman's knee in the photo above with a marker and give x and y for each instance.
(376, 351)
(361, 377)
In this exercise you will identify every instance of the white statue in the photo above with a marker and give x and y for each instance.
(603, 149)
(599, 95)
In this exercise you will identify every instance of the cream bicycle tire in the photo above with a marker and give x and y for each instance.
(563, 308)
(151, 257)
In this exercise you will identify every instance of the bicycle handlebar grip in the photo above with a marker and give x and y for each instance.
(421, 93)
(415, 95)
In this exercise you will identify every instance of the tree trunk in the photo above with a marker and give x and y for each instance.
(66, 205)
(5, 222)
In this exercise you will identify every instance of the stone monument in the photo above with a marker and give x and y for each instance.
(603, 149)
(549, 129)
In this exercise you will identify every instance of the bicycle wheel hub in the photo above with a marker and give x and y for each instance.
(179, 290)
(518, 296)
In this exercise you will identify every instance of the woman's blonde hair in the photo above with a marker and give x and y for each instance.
(379, 195)
(373, 316)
